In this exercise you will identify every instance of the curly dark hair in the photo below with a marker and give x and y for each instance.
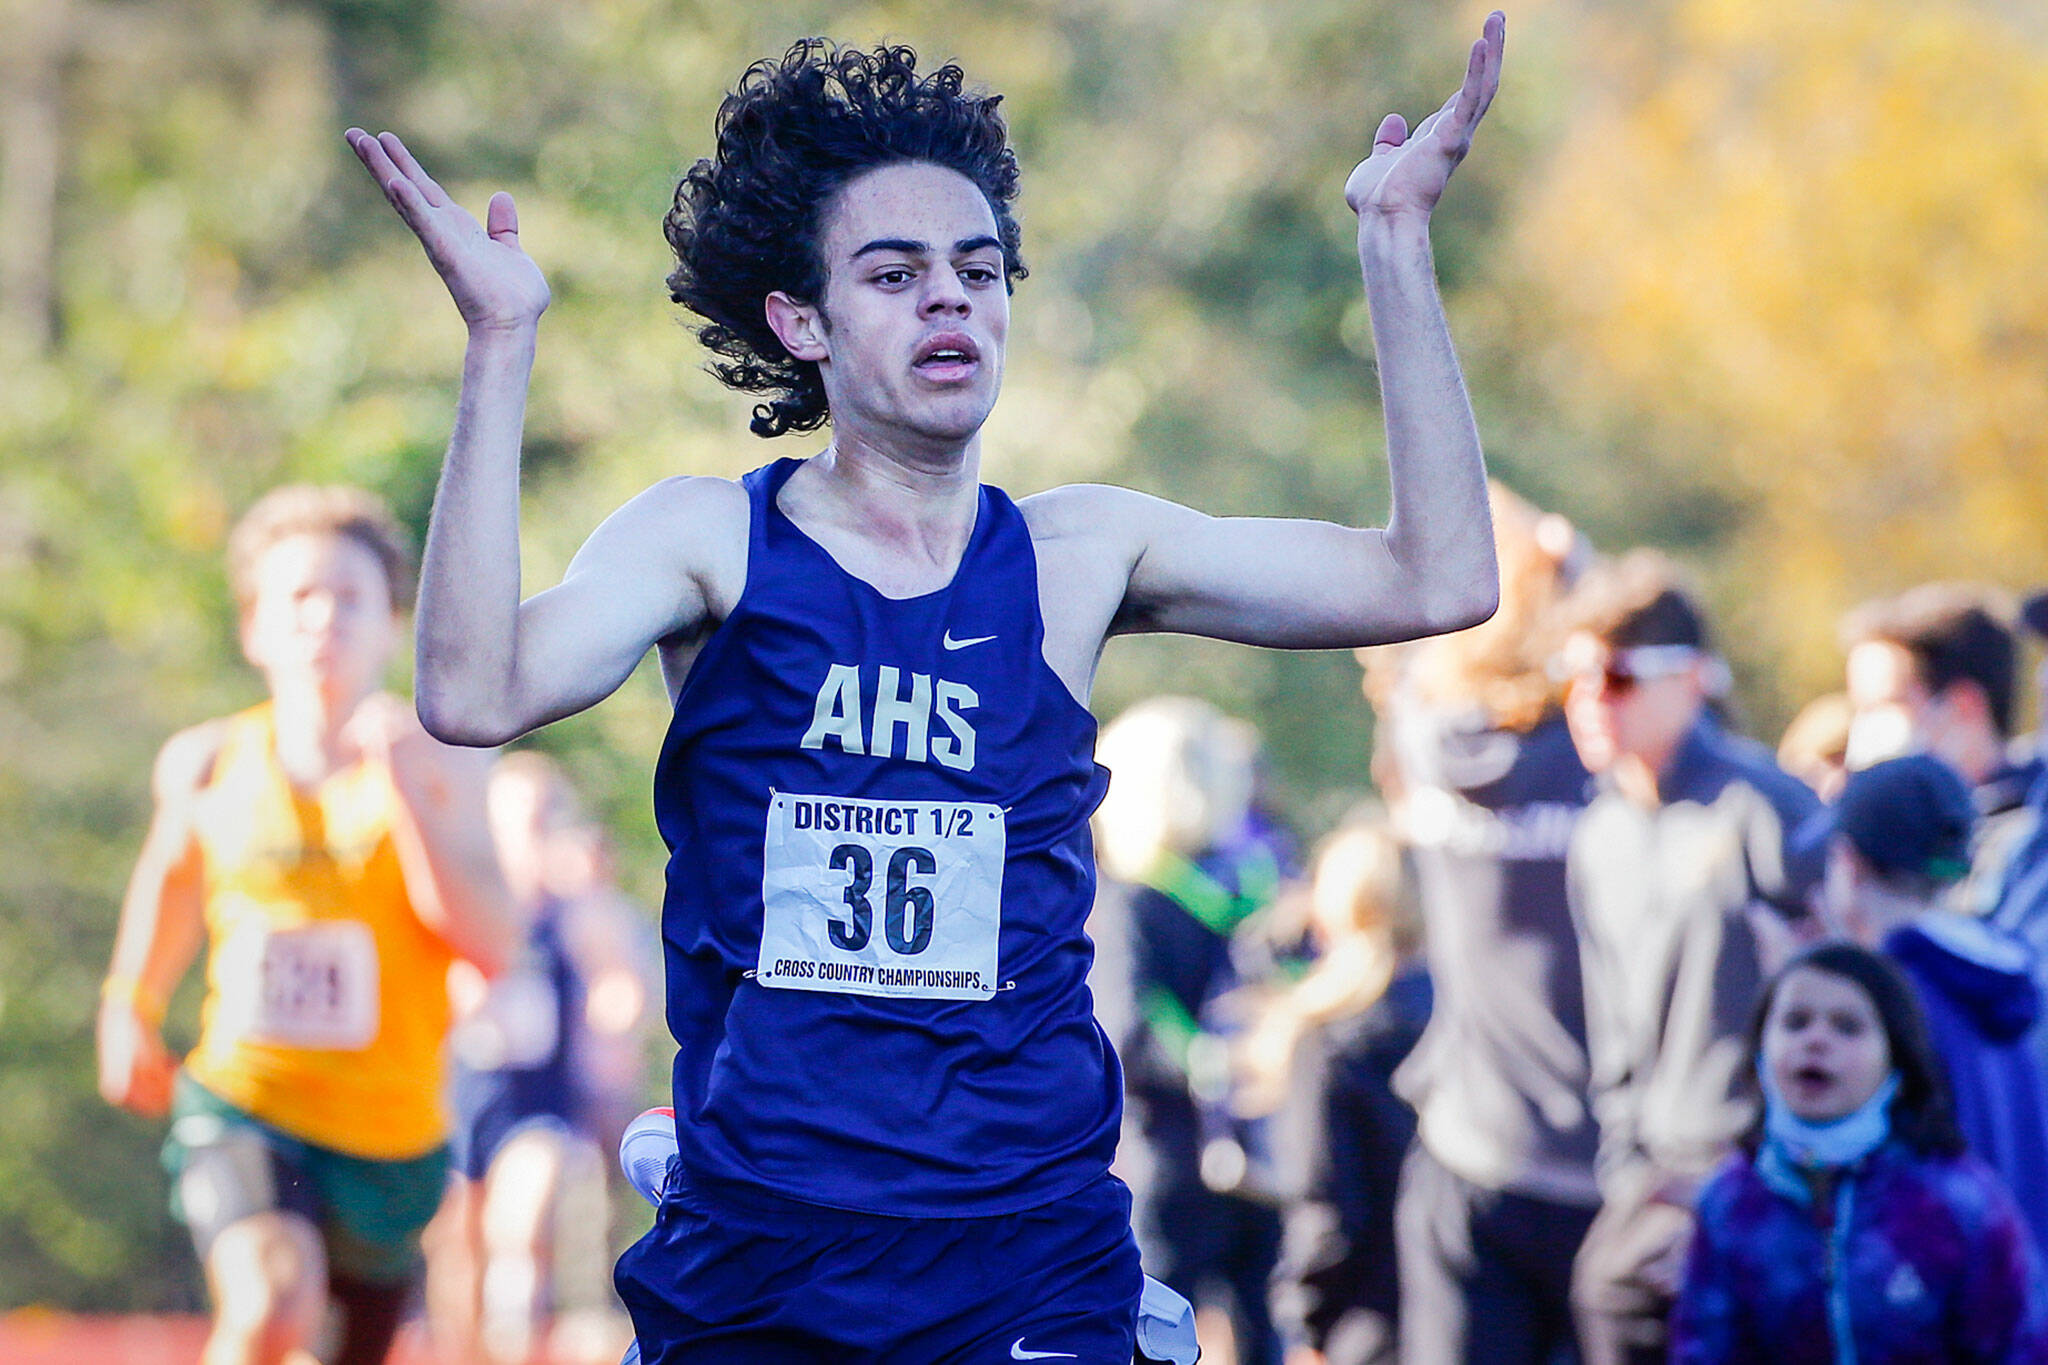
(746, 222)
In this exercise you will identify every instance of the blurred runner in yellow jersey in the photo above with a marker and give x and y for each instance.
(336, 859)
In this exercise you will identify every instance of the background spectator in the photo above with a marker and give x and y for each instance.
(1172, 828)
(1853, 1202)
(1936, 669)
(1681, 879)
(1815, 746)
(1900, 842)
(1487, 786)
(2022, 896)
(1323, 1054)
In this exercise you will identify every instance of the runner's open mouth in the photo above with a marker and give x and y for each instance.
(946, 351)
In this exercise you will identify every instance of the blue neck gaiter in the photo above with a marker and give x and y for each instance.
(1838, 1142)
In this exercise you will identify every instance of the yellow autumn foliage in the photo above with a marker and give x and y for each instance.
(1796, 251)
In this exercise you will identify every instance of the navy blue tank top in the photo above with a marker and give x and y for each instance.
(490, 1101)
(876, 811)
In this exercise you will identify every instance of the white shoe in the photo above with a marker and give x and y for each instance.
(645, 1150)
(1166, 1326)
(644, 1153)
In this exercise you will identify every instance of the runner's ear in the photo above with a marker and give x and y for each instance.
(798, 326)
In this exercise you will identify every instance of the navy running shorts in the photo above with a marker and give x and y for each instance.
(741, 1277)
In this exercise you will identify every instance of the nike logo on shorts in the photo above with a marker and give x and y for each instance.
(950, 643)
(1017, 1352)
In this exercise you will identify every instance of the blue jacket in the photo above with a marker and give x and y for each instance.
(2020, 901)
(1908, 1259)
(1978, 989)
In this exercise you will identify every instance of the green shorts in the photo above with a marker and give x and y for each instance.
(226, 1164)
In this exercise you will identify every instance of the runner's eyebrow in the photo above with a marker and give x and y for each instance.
(915, 248)
(902, 244)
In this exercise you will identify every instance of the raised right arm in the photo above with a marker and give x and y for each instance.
(491, 668)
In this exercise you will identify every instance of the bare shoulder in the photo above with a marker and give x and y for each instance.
(693, 525)
(1090, 511)
(1088, 539)
(1097, 528)
(677, 549)
(185, 763)
(692, 493)
(1120, 520)
(693, 502)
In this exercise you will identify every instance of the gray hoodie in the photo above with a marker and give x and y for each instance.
(1663, 899)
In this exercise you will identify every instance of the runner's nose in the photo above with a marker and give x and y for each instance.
(317, 610)
(946, 293)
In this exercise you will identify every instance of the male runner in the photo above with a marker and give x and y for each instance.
(895, 1108)
(519, 1089)
(336, 858)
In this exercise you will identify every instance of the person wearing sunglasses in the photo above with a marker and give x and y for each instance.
(1685, 883)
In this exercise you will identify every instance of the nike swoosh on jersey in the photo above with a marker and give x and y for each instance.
(1017, 1352)
(950, 643)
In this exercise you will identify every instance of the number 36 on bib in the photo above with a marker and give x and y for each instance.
(897, 898)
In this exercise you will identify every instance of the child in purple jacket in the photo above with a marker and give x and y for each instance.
(1853, 1229)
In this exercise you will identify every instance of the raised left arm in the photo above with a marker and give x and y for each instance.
(1316, 585)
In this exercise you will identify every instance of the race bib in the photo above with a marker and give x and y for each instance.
(901, 898)
(314, 986)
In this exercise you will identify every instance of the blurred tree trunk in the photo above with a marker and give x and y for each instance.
(30, 90)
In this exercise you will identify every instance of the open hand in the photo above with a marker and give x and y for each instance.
(1407, 172)
(494, 282)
